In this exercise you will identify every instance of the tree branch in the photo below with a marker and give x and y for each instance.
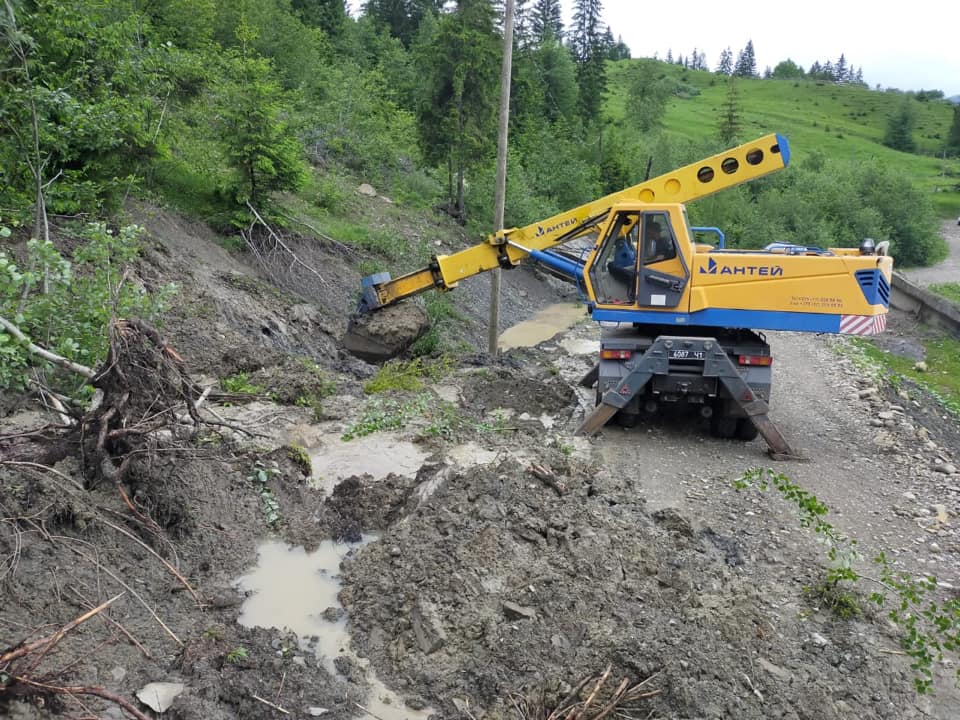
(45, 354)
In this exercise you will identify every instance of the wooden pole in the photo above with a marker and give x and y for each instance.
(501, 189)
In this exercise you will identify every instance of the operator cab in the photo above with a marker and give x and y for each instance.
(638, 262)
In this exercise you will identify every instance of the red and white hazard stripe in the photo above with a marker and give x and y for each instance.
(862, 324)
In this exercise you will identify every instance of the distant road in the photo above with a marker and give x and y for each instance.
(949, 269)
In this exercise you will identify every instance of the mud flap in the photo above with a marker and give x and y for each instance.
(716, 363)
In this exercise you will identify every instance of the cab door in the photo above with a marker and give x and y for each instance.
(662, 273)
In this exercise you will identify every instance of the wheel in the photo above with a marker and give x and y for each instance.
(627, 420)
(723, 426)
(746, 430)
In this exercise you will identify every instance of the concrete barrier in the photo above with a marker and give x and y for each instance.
(926, 306)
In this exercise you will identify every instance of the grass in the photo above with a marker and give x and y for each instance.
(951, 291)
(942, 377)
(240, 384)
(842, 122)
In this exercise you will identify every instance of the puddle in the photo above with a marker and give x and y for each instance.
(471, 454)
(376, 455)
(291, 589)
(544, 325)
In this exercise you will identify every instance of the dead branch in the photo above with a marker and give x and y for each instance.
(599, 703)
(545, 475)
(42, 352)
(173, 571)
(86, 690)
(113, 622)
(281, 245)
(122, 584)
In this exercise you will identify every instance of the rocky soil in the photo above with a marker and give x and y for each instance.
(491, 561)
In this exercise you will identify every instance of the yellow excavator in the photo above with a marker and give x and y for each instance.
(680, 319)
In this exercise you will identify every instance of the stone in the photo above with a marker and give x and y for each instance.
(920, 366)
(946, 468)
(159, 696)
(512, 611)
(367, 189)
(427, 627)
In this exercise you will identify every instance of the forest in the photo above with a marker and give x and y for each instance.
(227, 111)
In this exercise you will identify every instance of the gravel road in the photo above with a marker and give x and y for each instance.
(949, 269)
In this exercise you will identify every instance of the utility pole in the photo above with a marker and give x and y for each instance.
(501, 189)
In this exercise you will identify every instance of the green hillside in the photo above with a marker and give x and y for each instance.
(839, 121)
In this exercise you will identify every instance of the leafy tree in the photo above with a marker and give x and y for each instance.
(725, 66)
(899, 132)
(730, 123)
(83, 90)
(953, 136)
(746, 66)
(787, 70)
(457, 112)
(545, 84)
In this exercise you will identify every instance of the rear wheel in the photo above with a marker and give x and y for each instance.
(627, 420)
(723, 426)
(746, 430)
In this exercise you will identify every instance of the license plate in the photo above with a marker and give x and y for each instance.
(687, 355)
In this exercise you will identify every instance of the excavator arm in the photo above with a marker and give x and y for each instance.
(747, 162)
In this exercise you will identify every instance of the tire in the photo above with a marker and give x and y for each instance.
(723, 426)
(746, 430)
(627, 420)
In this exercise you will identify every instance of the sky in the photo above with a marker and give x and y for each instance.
(910, 46)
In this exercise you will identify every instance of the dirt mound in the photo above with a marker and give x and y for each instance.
(497, 586)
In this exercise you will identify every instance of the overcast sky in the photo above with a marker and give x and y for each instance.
(911, 46)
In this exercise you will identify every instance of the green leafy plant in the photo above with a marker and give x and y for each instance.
(237, 655)
(261, 478)
(385, 415)
(930, 628)
(240, 384)
(407, 375)
(67, 306)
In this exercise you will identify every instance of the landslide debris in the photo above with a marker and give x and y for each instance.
(387, 333)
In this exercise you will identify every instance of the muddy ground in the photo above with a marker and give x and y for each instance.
(491, 560)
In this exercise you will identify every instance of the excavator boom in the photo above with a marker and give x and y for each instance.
(692, 182)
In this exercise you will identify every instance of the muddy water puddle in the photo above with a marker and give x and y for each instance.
(291, 589)
(376, 455)
(546, 324)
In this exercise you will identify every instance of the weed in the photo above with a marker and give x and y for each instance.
(385, 415)
(929, 628)
(407, 375)
(270, 507)
(240, 384)
(951, 291)
(237, 655)
(301, 458)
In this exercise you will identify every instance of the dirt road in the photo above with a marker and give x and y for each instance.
(949, 269)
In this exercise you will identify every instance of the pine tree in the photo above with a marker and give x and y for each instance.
(546, 15)
(840, 69)
(729, 129)
(401, 17)
(670, 56)
(457, 113)
(328, 15)
(588, 51)
(725, 66)
(746, 66)
(953, 137)
(899, 132)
